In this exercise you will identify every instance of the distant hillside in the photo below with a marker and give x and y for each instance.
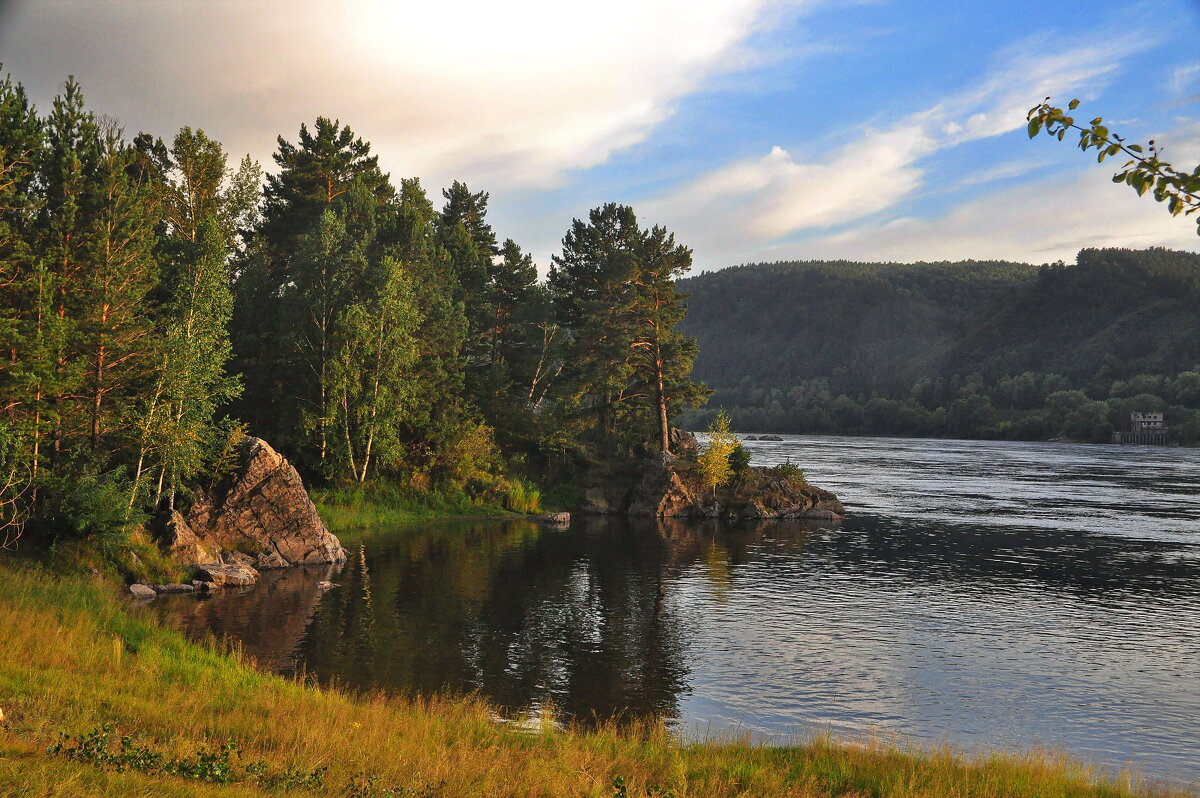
(969, 349)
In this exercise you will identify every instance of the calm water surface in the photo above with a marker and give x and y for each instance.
(991, 594)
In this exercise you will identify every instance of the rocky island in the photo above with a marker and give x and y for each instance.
(670, 486)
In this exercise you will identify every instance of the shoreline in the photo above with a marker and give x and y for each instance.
(102, 661)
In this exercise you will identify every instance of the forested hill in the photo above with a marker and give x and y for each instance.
(968, 349)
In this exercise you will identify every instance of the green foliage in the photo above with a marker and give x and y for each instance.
(520, 496)
(739, 459)
(1144, 171)
(789, 471)
(156, 304)
(627, 368)
(714, 463)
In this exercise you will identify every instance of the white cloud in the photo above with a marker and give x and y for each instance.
(1004, 171)
(1183, 77)
(514, 93)
(1036, 223)
(746, 206)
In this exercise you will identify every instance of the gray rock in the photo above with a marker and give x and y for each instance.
(227, 574)
(142, 591)
(172, 588)
(552, 518)
(203, 586)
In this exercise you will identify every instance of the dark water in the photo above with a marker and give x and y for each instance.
(989, 594)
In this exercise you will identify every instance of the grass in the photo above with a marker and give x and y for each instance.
(75, 655)
(345, 508)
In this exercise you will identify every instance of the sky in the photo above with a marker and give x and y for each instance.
(755, 130)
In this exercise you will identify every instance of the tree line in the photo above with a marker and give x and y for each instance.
(971, 349)
(158, 301)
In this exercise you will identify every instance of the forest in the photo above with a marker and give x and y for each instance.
(159, 301)
(973, 349)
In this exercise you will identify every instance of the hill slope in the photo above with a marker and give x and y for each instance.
(971, 349)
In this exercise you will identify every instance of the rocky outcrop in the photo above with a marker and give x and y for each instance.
(671, 487)
(557, 519)
(261, 517)
(676, 491)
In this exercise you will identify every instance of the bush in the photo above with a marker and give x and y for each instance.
(790, 472)
(739, 459)
(520, 496)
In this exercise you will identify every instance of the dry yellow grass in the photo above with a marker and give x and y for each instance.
(74, 655)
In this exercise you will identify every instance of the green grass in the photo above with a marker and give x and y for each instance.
(345, 508)
(74, 654)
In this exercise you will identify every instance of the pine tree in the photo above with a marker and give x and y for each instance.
(628, 368)
(67, 166)
(23, 313)
(114, 325)
(321, 217)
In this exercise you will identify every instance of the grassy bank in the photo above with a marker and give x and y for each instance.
(74, 655)
(345, 508)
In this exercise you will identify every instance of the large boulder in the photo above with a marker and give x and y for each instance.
(261, 517)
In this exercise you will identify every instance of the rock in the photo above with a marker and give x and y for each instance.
(142, 591)
(326, 585)
(173, 588)
(270, 559)
(185, 546)
(552, 518)
(770, 437)
(677, 491)
(261, 517)
(201, 585)
(664, 493)
(237, 558)
(595, 501)
(227, 575)
(683, 443)
(750, 438)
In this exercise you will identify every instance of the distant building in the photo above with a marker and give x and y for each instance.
(1148, 429)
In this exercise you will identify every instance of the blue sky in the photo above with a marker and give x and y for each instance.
(754, 129)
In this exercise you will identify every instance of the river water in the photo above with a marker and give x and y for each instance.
(985, 594)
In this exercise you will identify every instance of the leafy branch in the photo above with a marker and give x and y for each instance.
(1144, 171)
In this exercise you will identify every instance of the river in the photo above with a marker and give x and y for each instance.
(985, 594)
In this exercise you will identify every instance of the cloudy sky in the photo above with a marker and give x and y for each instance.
(754, 129)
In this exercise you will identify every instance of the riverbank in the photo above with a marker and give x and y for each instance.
(75, 655)
(350, 508)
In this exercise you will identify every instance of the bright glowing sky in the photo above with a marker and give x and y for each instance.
(754, 129)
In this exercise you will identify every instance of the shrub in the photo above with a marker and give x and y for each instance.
(789, 471)
(739, 459)
(520, 496)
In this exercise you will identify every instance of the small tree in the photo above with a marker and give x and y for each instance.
(714, 465)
